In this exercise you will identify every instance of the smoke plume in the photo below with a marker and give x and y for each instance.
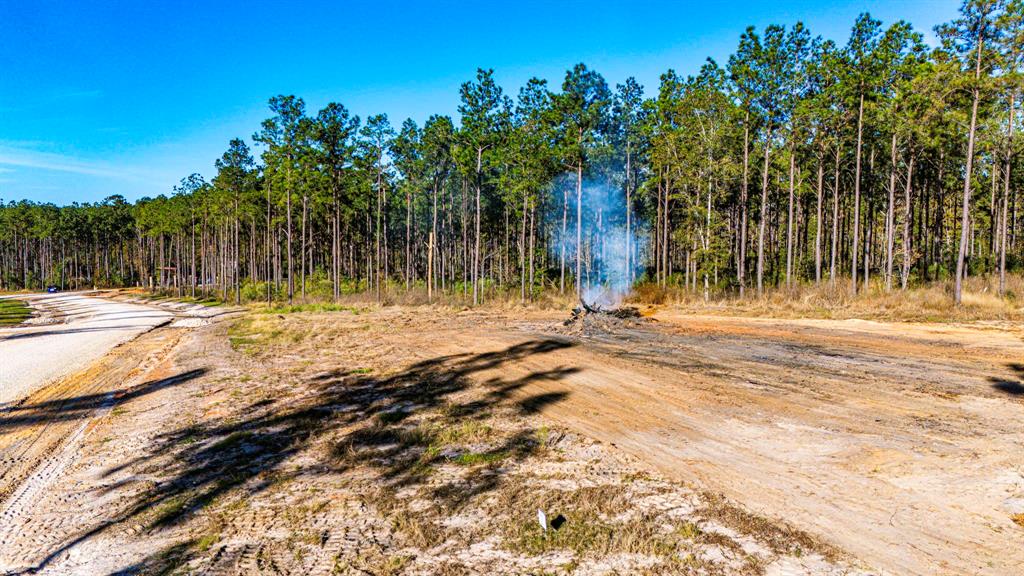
(607, 273)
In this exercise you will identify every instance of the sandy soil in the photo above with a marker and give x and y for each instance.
(421, 441)
(900, 443)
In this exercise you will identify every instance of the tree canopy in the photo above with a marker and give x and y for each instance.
(800, 160)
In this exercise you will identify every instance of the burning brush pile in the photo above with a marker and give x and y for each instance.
(587, 319)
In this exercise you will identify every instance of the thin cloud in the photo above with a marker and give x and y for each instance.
(29, 158)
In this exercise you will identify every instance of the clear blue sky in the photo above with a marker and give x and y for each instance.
(127, 97)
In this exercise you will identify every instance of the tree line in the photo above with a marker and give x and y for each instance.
(881, 161)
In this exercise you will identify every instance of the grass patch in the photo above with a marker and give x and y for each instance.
(392, 417)
(232, 440)
(591, 528)
(1018, 519)
(315, 307)
(209, 301)
(172, 508)
(931, 302)
(778, 536)
(474, 458)
(13, 312)
(206, 542)
(253, 335)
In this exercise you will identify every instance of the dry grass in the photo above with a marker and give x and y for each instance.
(928, 303)
(778, 536)
(931, 303)
(601, 522)
(253, 334)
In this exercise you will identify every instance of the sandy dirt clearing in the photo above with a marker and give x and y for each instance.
(337, 444)
(899, 443)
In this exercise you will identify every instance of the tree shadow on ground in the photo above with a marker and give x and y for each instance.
(163, 562)
(1011, 387)
(16, 416)
(84, 330)
(357, 419)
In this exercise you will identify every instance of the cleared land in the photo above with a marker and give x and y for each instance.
(419, 440)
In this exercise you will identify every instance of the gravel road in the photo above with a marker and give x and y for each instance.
(80, 330)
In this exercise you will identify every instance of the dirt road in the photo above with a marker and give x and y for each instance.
(60, 379)
(75, 331)
(900, 443)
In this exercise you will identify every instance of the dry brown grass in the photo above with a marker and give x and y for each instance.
(780, 537)
(603, 521)
(930, 303)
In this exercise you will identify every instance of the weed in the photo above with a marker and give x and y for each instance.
(474, 458)
(230, 441)
(315, 307)
(689, 531)
(203, 544)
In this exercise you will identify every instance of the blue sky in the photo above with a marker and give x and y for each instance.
(109, 97)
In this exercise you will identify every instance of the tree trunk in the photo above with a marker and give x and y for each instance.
(908, 212)
(629, 211)
(522, 256)
(1006, 201)
(764, 216)
(433, 240)
(834, 256)
(579, 228)
(741, 264)
(817, 228)
(476, 241)
(408, 239)
(565, 218)
(966, 205)
(890, 216)
(789, 225)
(855, 252)
(302, 259)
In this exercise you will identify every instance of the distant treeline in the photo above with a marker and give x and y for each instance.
(797, 161)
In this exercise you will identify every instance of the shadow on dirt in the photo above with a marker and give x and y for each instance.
(16, 416)
(84, 330)
(1011, 387)
(162, 563)
(350, 419)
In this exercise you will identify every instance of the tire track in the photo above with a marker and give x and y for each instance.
(46, 443)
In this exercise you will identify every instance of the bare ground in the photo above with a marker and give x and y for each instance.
(422, 441)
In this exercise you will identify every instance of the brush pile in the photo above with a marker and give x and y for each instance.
(587, 319)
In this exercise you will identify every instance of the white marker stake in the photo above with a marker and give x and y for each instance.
(542, 519)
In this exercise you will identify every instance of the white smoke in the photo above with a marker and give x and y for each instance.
(607, 278)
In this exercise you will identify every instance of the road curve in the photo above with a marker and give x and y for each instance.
(86, 328)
